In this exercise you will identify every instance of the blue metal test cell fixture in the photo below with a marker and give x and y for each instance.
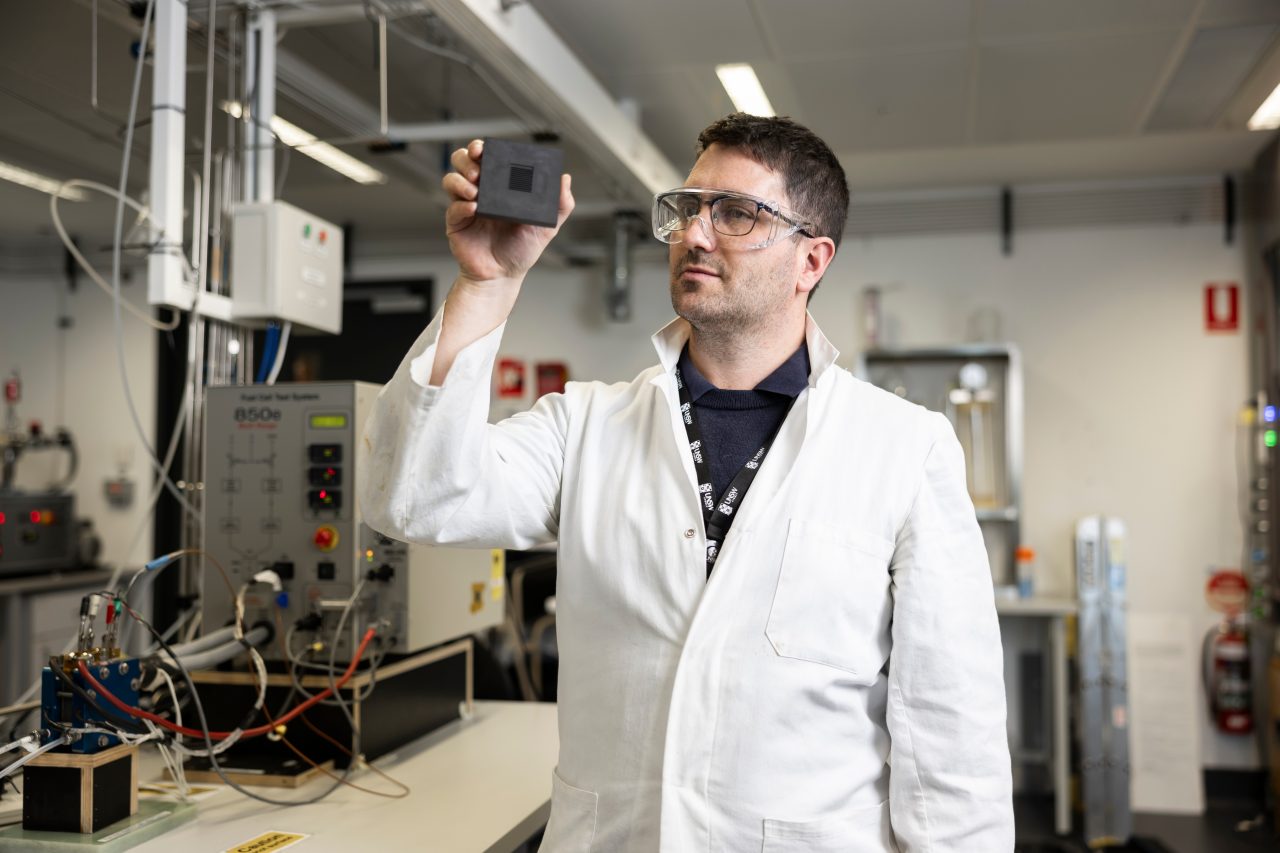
(63, 706)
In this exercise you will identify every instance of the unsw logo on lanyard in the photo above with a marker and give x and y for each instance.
(717, 516)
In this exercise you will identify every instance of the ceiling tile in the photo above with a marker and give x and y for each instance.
(1233, 12)
(1215, 64)
(1002, 19)
(873, 102)
(1068, 90)
(808, 28)
(613, 37)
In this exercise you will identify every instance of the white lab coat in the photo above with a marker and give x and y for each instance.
(835, 686)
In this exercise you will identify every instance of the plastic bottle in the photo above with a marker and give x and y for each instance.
(1026, 571)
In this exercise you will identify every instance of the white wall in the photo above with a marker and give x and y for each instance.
(1130, 406)
(88, 400)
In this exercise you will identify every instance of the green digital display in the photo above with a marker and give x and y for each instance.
(328, 421)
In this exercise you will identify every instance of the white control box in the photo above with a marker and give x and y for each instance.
(286, 264)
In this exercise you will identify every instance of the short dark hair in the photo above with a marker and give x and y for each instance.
(811, 174)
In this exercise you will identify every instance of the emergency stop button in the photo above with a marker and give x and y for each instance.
(326, 537)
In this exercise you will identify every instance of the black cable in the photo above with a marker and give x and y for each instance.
(208, 740)
(375, 661)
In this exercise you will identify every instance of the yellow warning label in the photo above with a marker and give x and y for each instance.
(477, 597)
(266, 842)
(498, 574)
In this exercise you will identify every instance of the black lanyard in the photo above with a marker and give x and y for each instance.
(717, 516)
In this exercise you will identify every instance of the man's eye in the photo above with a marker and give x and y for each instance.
(687, 207)
(736, 212)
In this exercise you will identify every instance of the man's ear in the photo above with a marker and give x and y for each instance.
(814, 263)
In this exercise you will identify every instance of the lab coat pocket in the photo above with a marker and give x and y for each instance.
(572, 826)
(832, 602)
(864, 830)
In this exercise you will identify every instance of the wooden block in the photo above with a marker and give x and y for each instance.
(69, 792)
(267, 780)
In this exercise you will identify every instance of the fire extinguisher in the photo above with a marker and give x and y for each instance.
(1227, 677)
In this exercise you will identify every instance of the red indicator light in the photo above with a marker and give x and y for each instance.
(2, 519)
(34, 516)
(324, 235)
(324, 496)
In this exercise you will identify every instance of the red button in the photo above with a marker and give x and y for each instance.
(326, 538)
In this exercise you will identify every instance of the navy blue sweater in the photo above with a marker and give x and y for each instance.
(735, 424)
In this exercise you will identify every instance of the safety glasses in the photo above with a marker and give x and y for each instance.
(732, 214)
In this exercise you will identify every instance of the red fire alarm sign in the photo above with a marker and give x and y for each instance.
(1221, 307)
(551, 377)
(510, 378)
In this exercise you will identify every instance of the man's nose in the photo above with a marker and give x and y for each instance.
(699, 233)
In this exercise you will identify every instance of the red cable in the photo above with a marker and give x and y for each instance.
(247, 733)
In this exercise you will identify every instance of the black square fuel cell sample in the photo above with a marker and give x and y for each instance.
(520, 182)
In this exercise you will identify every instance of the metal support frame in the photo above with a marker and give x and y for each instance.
(618, 295)
(1228, 209)
(537, 64)
(1006, 221)
(445, 131)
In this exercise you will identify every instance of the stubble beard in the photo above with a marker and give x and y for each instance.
(740, 305)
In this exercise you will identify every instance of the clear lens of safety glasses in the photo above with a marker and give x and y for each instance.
(731, 215)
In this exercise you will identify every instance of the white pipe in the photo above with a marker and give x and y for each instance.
(53, 744)
(166, 282)
(208, 641)
(280, 348)
(260, 80)
(445, 131)
(213, 657)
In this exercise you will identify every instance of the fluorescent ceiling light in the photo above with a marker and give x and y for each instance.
(36, 181)
(1267, 115)
(740, 81)
(305, 143)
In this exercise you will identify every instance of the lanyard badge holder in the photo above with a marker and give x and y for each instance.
(718, 515)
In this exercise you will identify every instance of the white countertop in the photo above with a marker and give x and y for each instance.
(1036, 606)
(477, 785)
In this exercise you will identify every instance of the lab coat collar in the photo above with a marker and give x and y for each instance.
(671, 338)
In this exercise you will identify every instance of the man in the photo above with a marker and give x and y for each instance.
(774, 607)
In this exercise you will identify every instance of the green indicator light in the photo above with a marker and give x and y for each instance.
(1269, 437)
(306, 230)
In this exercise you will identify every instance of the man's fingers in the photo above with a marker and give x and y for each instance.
(459, 188)
(566, 199)
(466, 161)
(459, 215)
